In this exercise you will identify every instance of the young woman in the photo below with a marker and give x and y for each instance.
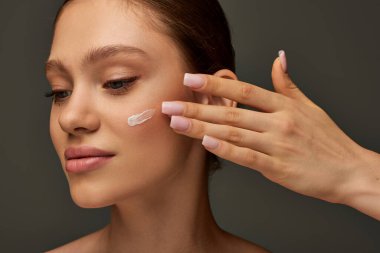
(110, 61)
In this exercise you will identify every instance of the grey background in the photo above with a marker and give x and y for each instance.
(333, 56)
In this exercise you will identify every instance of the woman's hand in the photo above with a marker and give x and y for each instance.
(291, 140)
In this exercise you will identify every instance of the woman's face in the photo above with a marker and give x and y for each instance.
(94, 114)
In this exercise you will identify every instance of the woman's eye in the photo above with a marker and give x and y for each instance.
(116, 84)
(121, 85)
(117, 87)
(57, 95)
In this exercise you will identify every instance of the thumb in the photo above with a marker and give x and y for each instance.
(282, 82)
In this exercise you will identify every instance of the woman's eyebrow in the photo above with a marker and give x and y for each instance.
(96, 54)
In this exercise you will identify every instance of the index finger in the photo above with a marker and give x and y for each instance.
(241, 92)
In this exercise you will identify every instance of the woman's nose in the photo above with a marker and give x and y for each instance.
(79, 116)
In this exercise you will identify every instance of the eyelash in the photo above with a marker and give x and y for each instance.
(120, 91)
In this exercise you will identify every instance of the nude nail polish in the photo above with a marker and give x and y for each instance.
(283, 61)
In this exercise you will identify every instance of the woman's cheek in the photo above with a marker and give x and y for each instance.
(148, 127)
(156, 138)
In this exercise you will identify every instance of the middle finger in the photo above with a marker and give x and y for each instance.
(238, 117)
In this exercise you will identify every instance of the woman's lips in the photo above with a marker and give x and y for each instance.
(86, 163)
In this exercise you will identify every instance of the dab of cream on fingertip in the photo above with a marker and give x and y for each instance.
(141, 117)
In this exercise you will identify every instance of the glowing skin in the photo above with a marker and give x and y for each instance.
(93, 115)
(156, 184)
(141, 117)
(156, 179)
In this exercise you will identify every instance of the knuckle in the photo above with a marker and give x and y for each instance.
(234, 136)
(246, 91)
(231, 117)
(279, 172)
(288, 126)
(250, 157)
(283, 173)
(191, 110)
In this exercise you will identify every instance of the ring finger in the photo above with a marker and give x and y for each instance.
(240, 137)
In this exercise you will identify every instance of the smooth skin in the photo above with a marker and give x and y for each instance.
(290, 140)
(156, 184)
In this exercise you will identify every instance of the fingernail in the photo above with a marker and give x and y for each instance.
(283, 62)
(193, 80)
(210, 142)
(179, 123)
(172, 108)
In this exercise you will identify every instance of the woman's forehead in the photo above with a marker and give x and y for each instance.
(86, 19)
(84, 25)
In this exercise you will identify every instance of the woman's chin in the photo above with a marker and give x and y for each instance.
(89, 197)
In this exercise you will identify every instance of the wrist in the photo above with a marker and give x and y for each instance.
(362, 189)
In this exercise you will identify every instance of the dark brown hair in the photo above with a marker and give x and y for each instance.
(201, 30)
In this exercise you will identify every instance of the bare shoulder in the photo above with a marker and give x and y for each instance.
(238, 244)
(87, 243)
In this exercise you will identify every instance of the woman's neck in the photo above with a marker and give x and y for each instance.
(173, 217)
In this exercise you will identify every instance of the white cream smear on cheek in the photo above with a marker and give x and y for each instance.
(141, 117)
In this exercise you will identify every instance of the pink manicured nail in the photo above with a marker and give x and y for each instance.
(210, 142)
(179, 123)
(172, 108)
(283, 61)
(193, 80)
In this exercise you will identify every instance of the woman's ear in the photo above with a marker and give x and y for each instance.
(213, 100)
